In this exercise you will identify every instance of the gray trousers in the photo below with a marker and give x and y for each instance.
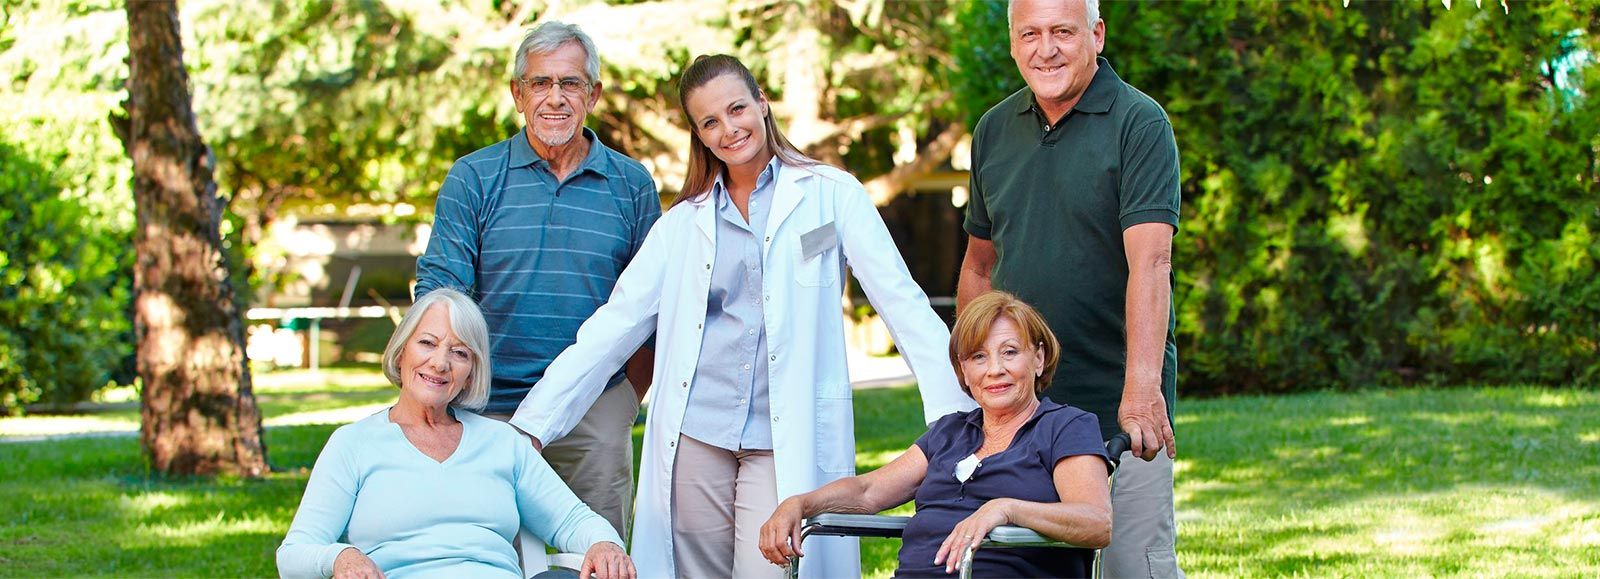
(1143, 532)
(596, 458)
(720, 499)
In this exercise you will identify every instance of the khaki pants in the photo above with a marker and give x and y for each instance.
(596, 458)
(1143, 533)
(720, 499)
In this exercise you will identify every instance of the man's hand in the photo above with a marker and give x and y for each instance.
(606, 560)
(1143, 415)
(353, 564)
(537, 446)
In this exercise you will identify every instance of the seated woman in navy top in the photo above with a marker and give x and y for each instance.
(1016, 460)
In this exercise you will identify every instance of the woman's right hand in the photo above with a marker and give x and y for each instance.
(780, 536)
(607, 560)
(353, 564)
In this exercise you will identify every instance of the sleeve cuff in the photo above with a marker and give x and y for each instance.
(979, 231)
(1156, 215)
(329, 556)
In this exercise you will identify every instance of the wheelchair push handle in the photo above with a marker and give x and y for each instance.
(1118, 445)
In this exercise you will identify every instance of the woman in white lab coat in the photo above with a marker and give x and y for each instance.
(741, 281)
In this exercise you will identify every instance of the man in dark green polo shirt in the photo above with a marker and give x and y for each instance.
(1074, 203)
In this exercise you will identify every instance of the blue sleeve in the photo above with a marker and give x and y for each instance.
(313, 542)
(647, 205)
(549, 510)
(451, 259)
(647, 209)
(1074, 436)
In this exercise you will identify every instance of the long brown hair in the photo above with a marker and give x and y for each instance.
(704, 166)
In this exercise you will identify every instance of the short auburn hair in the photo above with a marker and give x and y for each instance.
(972, 330)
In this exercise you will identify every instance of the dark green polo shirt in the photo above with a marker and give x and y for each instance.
(1055, 202)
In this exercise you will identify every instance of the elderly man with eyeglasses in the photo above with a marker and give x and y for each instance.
(537, 228)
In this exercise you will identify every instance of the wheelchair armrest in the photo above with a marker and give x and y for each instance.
(846, 525)
(1012, 536)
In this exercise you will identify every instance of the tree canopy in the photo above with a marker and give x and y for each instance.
(1390, 192)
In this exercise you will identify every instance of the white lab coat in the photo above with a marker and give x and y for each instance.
(664, 290)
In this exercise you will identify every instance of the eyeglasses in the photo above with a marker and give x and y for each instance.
(541, 85)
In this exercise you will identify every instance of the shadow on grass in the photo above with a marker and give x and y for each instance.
(1406, 481)
(89, 507)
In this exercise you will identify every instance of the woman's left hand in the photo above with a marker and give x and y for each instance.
(971, 532)
(607, 560)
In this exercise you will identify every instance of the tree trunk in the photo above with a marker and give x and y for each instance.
(198, 414)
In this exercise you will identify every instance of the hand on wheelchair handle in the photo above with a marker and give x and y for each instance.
(780, 535)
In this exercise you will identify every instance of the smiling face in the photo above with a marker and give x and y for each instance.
(1055, 50)
(1000, 374)
(434, 364)
(731, 122)
(554, 117)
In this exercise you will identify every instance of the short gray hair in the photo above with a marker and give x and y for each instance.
(466, 321)
(1091, 10)
(550, 36)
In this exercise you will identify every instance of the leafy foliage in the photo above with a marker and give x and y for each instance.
(1381, 193)
(61, 303)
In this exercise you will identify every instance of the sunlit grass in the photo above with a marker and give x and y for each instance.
(1412, 483)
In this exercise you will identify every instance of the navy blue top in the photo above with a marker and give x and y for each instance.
(1023, 471)
(539, 255)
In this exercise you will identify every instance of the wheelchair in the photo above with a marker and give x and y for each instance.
(890, 526)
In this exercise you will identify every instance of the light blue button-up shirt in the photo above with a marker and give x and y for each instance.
(728, 405)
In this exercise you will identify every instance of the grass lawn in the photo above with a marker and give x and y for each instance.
(1463, 482)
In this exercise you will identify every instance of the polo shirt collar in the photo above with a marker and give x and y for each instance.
(975, 419)
(523, 155)
(1096, 99)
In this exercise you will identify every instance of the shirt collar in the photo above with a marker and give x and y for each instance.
(1097, 97)
(1045, 406)
(719, 190)
(523, 155)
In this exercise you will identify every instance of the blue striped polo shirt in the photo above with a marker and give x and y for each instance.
(539, 255)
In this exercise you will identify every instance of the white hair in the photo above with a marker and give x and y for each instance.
(550, 36)
(1091, 10)
(466, 321)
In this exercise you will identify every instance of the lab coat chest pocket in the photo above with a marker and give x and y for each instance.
(817, 257)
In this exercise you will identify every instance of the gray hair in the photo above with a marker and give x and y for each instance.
(1091, 9)
(550, 36)
(466, 321)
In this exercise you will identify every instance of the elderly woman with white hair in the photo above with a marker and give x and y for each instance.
(427, 487)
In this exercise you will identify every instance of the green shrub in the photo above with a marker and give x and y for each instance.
(63, 317)
(1386, 193)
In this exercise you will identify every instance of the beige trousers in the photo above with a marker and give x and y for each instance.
(720, 499)
(1143, 532)
(596, 458)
